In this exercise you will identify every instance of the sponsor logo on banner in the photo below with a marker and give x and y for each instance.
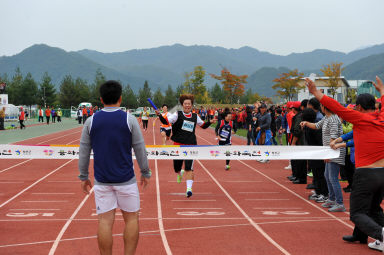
(6, 152)
(18, 152)
(266, 153)
(214, 153)
(48, 152)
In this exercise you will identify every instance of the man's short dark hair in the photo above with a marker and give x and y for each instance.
(304, 103)
(366, 101)
(309, 115)
(164, 105)
(110, 92)
(315, 103)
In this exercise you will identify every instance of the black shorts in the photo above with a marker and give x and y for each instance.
(167, 131)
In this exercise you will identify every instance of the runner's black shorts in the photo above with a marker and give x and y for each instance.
(167, 131)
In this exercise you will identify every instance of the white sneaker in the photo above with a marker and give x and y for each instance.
(288, 167)
(376, 245)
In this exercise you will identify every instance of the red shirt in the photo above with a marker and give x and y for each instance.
(47, 112)
(289, 119)
(368, 131)
(22, 115)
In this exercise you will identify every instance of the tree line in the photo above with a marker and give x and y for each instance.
(25, 90)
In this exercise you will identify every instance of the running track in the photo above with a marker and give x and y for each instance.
(251, 209)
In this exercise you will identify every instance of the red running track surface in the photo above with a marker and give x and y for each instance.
(251, 209)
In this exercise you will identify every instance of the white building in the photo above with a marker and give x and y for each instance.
(322, 84)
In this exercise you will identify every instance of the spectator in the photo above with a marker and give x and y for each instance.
(313, 137)
(2, 118)
(47, 114)
(299, 167)
(248, 121)
(279, 126)
(53, 114)
(85, 114)
(264, 137)
(368, 187)
(22, 118)
(79, 115)
(59, 113)
(41, 114)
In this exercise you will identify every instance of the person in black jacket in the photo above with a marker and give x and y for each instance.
(299, 167)
(223, 131)
(313, 137)
(249, 126)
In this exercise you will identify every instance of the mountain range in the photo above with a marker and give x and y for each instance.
(167, 64)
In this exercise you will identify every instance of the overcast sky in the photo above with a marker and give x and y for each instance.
(277, 26)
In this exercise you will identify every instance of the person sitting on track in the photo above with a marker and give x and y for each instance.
(165, 129)
(183, 133)
(368, 184)
(223, 131)
(112, 133)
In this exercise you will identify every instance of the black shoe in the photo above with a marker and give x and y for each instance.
(297, 181)
(292, 178)
(352, 239)
(289, 177)
(310, 186)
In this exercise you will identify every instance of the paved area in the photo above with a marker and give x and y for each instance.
(34, 128)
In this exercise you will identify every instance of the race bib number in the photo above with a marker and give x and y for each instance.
(188, 126)
(224, 133)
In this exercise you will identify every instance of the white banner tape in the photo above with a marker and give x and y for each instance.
(210, 152)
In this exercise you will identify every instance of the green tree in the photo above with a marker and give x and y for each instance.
(95, 88)
(68, 96)
(81, 91)
(14, 88)
(216, 94)
(47, 93)
(170, 98)
(158, 98)
(199, 90)
(129, 98)
(28, 93)
(179, 91)
(145, 93)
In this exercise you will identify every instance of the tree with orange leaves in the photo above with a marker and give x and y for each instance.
(288, 83)
(233, 84)
(333, 72)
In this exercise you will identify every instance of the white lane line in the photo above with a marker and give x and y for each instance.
(56, 243)
(9, 182)
(159, 212)
(297, 195)
(34, 209)
(49, 134)
(195, 193)
(36, 182)
(141, 233)
(64, 181)
(242, 181)
(74, 141)
(277, 208)
(266, 199)
(53, 193)
(15, 165)
(193, 181)
(198, 208)
(44, 201)
(258, 192)
(185, 200)
(55, 137)
(256, 226)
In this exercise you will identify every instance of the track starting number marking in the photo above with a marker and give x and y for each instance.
(29, 214)
(191, 213)
(274, 213)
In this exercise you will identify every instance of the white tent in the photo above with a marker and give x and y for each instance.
(11, 111)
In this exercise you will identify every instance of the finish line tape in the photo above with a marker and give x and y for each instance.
(203, 152)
